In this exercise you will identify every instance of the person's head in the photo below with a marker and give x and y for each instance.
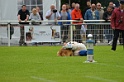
(52, 7)
(73, 5)
(111, 4)
(109, 9)
(98, 5)
(64, 7)
(122, 3)
(77, 6)
(34, 11)
(24, 8)
(38, 9)
(88, 3)
(93, 7)
(67, 6)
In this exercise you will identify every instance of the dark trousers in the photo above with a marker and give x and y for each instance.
(64, 32)
(21, 41)
(92, 29)
(77, 34)
(116, 35)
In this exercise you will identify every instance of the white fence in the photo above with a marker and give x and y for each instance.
(101, 30)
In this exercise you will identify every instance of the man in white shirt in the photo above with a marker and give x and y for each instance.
(52, 14)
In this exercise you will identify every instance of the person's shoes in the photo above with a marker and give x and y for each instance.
(113, 49)
(20, 44)
(25, 44)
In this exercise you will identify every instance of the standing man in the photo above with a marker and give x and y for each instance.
(92, 14)
(111, 4)
(76, 15)
(87, 7)
(117, 23)
(23, 15)
(72, 6)
(52, 14)
(64, 28)
(107, 16)
(100, 28)
(100, 10)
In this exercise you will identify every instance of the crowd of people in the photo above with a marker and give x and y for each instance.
(91, 12)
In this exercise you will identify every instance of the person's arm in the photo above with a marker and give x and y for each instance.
(27, 16)
(105, 16)
(19, 17)
(58, 16)
(48, 15)
(39, 18)
(69, 16)
(98, 16)
(113, 19)
(41, 15)
(30, 17)
(81, 18)
(85, 16)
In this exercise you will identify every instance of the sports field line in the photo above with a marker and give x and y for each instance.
(100, 79)
(118, 66)
(41, 79)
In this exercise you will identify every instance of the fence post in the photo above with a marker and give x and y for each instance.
(71, 32)
(8, 32)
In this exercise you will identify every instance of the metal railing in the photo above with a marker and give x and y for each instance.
(100, 29)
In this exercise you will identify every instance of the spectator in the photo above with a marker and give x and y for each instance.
(100, 10)
(23, 15)
(87, 7)
(68, 8)
(117, 23)
(34, 17)
(108, 13)
(76, 15)
(100, 28)
(107, 31)
(111, 4)
(52, 14)
(64, 28)
(41, 15)
(73, 6)
(92, 14)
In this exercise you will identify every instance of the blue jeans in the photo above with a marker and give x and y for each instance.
(108, 34)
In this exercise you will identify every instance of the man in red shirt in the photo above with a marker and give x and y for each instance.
(76, 15)
(117, 23)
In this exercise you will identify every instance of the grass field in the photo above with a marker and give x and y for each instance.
(40, 64)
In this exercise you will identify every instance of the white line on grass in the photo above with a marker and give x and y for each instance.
(99, 78)
(42, 79)
(110, 65)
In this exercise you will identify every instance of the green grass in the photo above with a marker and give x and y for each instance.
(41, 64)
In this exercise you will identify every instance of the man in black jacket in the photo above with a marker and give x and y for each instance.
(23, 15)
(107, 16)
